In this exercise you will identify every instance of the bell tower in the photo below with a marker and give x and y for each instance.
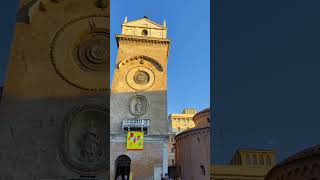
(139, 97)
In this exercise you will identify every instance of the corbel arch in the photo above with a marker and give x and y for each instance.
(141, 58)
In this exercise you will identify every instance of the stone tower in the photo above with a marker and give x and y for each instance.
(139, 100)
(55, 105)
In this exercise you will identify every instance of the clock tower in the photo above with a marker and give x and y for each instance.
(139, 100)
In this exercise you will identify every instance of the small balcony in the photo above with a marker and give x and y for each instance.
(136, 125)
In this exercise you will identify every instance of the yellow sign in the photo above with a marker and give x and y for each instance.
(135, 140)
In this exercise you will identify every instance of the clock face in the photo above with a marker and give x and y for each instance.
(140, 78)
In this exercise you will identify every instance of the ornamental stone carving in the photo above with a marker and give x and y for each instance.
(138, 105)
(140, 78)
(80, 53)
(85, 146)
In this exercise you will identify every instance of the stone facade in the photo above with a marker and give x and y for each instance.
(192, 151)
(54, 107)
(139, 99)
(177, 124)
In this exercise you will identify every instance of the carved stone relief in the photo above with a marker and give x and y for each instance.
(138, 105)
(85, 146)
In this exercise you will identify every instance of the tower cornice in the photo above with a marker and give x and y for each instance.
(139, 39)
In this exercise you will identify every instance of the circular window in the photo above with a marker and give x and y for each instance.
(144, 32)
(140, 78)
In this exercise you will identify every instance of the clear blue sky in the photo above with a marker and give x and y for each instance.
(188, 23)
(8, 11)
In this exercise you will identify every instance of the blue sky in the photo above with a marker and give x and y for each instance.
(7, 21)
(188, 23)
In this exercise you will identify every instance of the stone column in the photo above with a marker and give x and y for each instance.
(165, 158)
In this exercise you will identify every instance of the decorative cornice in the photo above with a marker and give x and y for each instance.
(141, 40)
(138, 39)
(192, 132)
(141, 58)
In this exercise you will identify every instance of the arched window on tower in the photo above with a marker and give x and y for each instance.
(144, 32)
(203, 170)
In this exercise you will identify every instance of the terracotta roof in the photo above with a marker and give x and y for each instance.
(310, 152)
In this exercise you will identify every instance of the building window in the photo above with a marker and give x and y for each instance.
(203, 171)
(261, 160)
(254, 160)
(144, 32)
(172, 161)
(172, 150)
(247, 159)
(268, 160)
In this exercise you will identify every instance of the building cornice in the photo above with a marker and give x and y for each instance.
(143, 40)
(192, 132)
(139, 39)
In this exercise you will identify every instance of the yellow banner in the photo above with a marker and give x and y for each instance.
(135, 140)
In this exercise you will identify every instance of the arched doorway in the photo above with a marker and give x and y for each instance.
(122, 163)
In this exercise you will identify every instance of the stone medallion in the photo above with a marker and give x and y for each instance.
(80, 53)
(92, 53)
(85, 147)
(140, 78)
(138, 105)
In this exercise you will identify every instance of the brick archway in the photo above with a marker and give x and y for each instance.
(122, 166)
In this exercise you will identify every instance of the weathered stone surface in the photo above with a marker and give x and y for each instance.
(38, 97)
(141, 71)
